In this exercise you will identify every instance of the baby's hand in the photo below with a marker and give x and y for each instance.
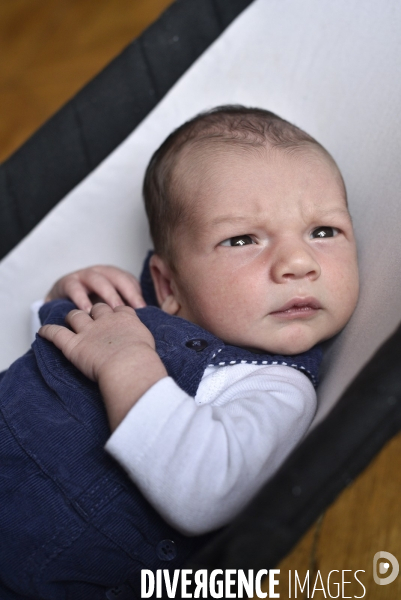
(112, 285)
(105, 337)
(114, 348)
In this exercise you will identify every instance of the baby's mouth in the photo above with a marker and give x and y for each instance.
(298, 308)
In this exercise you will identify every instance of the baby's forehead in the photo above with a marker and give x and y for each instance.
(219, 161)
(204, 152)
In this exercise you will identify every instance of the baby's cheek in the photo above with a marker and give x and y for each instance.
(349, 291)
(339, 313)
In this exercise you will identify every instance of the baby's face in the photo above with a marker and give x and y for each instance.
(268, 260)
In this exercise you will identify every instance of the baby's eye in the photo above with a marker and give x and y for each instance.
(324, 232)
(238, 240)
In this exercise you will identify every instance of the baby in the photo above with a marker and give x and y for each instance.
(206, 392)
(254, 265)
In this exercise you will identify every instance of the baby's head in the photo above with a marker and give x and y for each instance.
(253, 239)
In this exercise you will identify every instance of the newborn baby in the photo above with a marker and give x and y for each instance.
(254, 264)
(207, 389)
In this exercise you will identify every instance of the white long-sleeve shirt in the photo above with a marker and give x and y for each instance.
(200, 460)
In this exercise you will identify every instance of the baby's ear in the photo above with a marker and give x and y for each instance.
(163, 281)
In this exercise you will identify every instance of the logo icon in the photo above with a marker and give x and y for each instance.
(386, 559)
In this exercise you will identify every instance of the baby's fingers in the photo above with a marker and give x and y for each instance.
(122, 282)
(71, 287)
(79, 319)
(103, 287)
(79, 294)
(60, 336)
(130, 290)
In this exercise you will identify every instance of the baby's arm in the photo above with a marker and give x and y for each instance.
(200, 465)
(112, 347)
(111, 284)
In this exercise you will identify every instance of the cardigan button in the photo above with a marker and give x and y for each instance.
(198, 345)
(166, 550)
(122, 592)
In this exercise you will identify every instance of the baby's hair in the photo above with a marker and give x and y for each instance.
(235, 125)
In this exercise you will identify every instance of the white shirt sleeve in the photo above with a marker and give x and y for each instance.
(199, 462)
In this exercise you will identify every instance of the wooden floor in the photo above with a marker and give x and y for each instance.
(48, 50)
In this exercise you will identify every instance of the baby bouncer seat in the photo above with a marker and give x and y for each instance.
(331, 68)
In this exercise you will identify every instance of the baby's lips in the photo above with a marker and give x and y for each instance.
(299, 302)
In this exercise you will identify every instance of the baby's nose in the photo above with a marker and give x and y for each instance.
(295, 263)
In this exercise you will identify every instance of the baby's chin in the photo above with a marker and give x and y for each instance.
(281, 349)
(284, 344)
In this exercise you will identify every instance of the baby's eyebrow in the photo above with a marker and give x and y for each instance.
(332, 211)
(229, 218)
